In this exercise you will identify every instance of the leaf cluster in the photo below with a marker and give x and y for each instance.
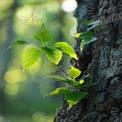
(54, 54)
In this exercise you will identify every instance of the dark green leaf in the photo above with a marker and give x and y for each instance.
(81, 86)
(18, 42)
(97, 22)
(75, 97)
(93, 24)
(72, 97)
(53, 54)
(84, 42)
(87, 22)
(68, 81)
(88, 35)
(57, 77)
(43, 35)
(66, 48)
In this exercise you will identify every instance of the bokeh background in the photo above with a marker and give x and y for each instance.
(22, 91)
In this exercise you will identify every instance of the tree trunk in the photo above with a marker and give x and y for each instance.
(101, 59)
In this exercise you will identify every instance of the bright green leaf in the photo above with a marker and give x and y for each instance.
(74, 72)
(77, 35)
(53, 54)
(43, 35)
(81, 81)
(66, 48)
(75, 97)
(18, 42)
(30, 56)
(60, 91)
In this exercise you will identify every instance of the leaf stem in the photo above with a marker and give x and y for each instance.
(63, 71)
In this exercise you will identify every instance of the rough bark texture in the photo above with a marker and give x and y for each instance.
(103, 61)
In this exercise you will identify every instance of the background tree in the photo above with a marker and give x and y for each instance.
(22, 92)
(103, 61)
(7, 22)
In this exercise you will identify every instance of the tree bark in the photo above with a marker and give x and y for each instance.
(101, 59)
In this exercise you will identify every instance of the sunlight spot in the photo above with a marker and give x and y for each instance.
(31, 15)
(11, 89)
(14, 75)
(5, 4)
(69, 5)
(24, 12)
(37, 117)
(40, 117)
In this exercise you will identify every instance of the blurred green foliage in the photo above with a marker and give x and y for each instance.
(21, 92)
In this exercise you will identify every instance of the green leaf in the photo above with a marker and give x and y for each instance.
(88, 35)
(75, 97)
(82, 86)
(87, 22)
(74, 72)
(43, 35)
(53, 54)
(81, 81)
(89, 85)
(30, 56)
(60, 91)
(87, 41)
(77, 35)
(93, 25)
(72, 97)
(68, 81)
(18, 42)
(57, 77)
(66, 48)
(97, 22)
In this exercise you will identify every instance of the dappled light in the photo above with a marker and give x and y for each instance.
(11, 89)
(5, 4)
(69, 5)
(14, 76)
(25, 70)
